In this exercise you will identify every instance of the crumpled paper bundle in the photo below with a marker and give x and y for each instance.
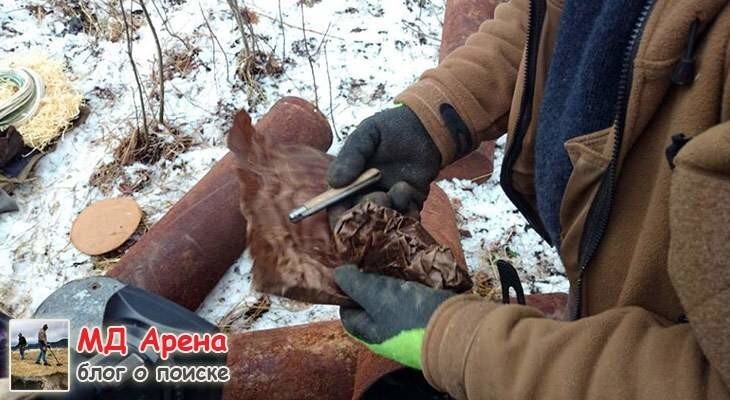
(297, 260)
(380, 240)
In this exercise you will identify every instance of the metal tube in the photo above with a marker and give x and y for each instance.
(332, 196)
(184, 255)
(461, 19)
(312, 361)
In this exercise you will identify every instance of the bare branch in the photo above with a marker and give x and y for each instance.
(233, 4)
(128, 34)
(161, 74)
(329, 83)
(166, 27)
(309, 57)
(283, 34)
(213, 35)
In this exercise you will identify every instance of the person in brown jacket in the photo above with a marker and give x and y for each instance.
(618, 154)
(42, 345)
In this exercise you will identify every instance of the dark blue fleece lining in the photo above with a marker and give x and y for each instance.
(580, 93)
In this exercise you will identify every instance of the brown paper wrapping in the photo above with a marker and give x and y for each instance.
(297, 260)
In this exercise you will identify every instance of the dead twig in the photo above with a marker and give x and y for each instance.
(283, 34)
(161, 118)
(233, 5)
(215, 38)
(329, 84)
(248, 59)
(309, 57)
(275, 19)
(166, 27)
(248, 314)
(128, 34)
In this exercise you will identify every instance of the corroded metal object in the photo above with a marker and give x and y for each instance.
(461, 19)
(313, 361)
(553, 305)
(185, 254)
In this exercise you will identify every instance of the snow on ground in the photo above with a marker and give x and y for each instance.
(364, 53)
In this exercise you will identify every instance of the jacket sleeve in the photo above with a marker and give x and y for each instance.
(477, 80)
(478, 350)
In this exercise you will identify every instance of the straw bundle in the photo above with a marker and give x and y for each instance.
(58, 107)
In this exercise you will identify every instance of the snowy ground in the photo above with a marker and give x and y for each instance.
(364, 53)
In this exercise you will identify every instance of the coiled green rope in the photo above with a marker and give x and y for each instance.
(24, 103)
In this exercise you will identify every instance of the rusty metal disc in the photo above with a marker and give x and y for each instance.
(105, 225)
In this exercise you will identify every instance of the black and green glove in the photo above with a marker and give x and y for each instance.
(396, 142)
(394, 314)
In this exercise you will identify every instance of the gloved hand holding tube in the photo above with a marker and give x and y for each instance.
(395, 142)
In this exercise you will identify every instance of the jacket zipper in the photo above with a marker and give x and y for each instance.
(597, 218)
(532, 44)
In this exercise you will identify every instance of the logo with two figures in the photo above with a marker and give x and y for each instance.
(39, 355)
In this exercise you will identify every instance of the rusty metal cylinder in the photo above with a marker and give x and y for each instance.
(461, 19)
(313, 361)
(184, 255)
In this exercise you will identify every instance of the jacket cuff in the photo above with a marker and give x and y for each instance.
(449, 337)
(426, 97)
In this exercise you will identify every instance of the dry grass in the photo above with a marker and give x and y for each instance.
(105, 176)
(145, 149)
(114, 29)
(486, 286)
(179, 63)
(28, 367)
(244, 315)
(59, 106)
(80, 16)
(486, 279)
(148, 149)
(37, 10)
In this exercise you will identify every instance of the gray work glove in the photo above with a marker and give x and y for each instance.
(393, 314)
(395, 142)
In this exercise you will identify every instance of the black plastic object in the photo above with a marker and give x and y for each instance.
(4, 338)
(403, 384)
(144, 309)
(11, 144)
(678, 141)
(684, 71)
(508, 278)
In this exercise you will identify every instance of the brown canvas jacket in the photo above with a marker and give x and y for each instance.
(664, 253)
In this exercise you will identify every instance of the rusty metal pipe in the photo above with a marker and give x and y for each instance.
(313, 361)
(461, 19)
(184, 255)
